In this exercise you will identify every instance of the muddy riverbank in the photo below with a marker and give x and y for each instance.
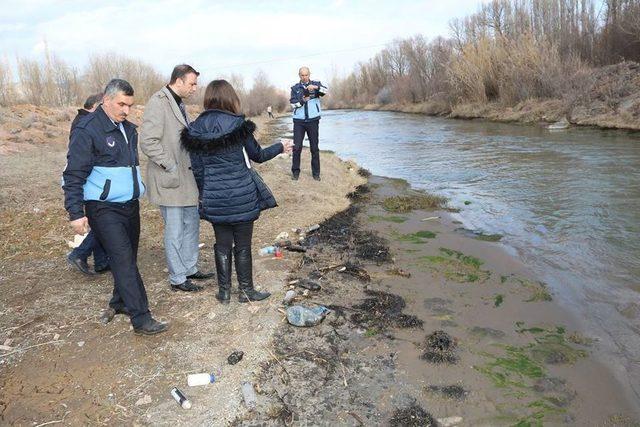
(429, 322)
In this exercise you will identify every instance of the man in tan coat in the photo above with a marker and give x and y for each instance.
(170, 181)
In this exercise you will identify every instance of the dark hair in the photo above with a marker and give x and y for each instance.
(220, 95)
(179, 71)
(116, 86)
(92, 100)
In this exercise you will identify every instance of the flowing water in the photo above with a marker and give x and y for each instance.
(567, 202)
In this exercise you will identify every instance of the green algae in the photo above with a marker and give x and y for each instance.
(408, 203)
(391, 218)
(455, 266)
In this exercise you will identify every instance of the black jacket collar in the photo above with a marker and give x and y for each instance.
(214, 129)
(107, 124)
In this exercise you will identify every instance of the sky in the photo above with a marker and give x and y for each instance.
(222, 37)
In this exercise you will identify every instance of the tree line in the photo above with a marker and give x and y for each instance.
(51, 81)
(508, 51)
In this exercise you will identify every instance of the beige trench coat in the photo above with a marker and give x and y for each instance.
(160, 141)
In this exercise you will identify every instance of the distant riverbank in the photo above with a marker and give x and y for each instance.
(611, 100)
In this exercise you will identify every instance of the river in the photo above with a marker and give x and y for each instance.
(567, 202)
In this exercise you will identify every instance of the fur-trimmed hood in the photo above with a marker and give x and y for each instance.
(214, 129)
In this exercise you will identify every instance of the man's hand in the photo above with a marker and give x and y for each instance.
(312, 87)
(306, 98)
(80, 225)
(288, 146)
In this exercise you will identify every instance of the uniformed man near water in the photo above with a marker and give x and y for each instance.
(102, 186)
(305, 101)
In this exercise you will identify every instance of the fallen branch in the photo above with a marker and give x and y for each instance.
(56, 421)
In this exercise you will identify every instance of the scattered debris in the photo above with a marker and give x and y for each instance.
(299, 315)
(449, 421)
(282, 236)
(397, 271)
(456, 392)
(365, 173)
(355, 271)
(306, 284)
(249, 396)
(144, 400)
(80, 343)
(440, 348)
(179, 397)
(382, 310)
(200, 379)
(414, 415)
(267, 250)
(430, 218)
(288, 297)
(235, 357)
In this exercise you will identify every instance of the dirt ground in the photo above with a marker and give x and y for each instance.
(59, 363)
(429, 324)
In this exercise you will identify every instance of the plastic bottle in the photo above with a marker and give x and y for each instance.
(179, 397)
(267, 250)
(249, 395)
(299, 315)
(200, 379)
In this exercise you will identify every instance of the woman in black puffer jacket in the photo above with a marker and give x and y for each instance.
(217, 142)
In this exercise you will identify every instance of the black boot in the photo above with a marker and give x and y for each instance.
(223, 269)
(245, 277)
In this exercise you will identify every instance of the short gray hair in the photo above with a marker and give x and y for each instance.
(116, 86)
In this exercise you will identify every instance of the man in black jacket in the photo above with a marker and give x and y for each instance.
(77, 258)
(102, 185)
(89, 107)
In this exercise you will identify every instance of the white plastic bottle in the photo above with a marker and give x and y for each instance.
(249, 395)
(200, 379)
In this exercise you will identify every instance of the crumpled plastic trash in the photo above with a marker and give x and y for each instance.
(299, 315)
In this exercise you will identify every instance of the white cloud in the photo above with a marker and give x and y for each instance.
(213, 36)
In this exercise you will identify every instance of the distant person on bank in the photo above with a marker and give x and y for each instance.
(305, 101)
(221, 142)
(270, 112)
(77, 258)
(170, 182)
(102, 185)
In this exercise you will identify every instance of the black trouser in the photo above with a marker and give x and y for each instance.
(311, 129)
(117, 226)
(240, 233)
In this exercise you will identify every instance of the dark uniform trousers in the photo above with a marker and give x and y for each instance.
(117, 226)
(311, 129)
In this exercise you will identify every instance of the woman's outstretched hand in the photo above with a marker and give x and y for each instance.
(288, 146)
